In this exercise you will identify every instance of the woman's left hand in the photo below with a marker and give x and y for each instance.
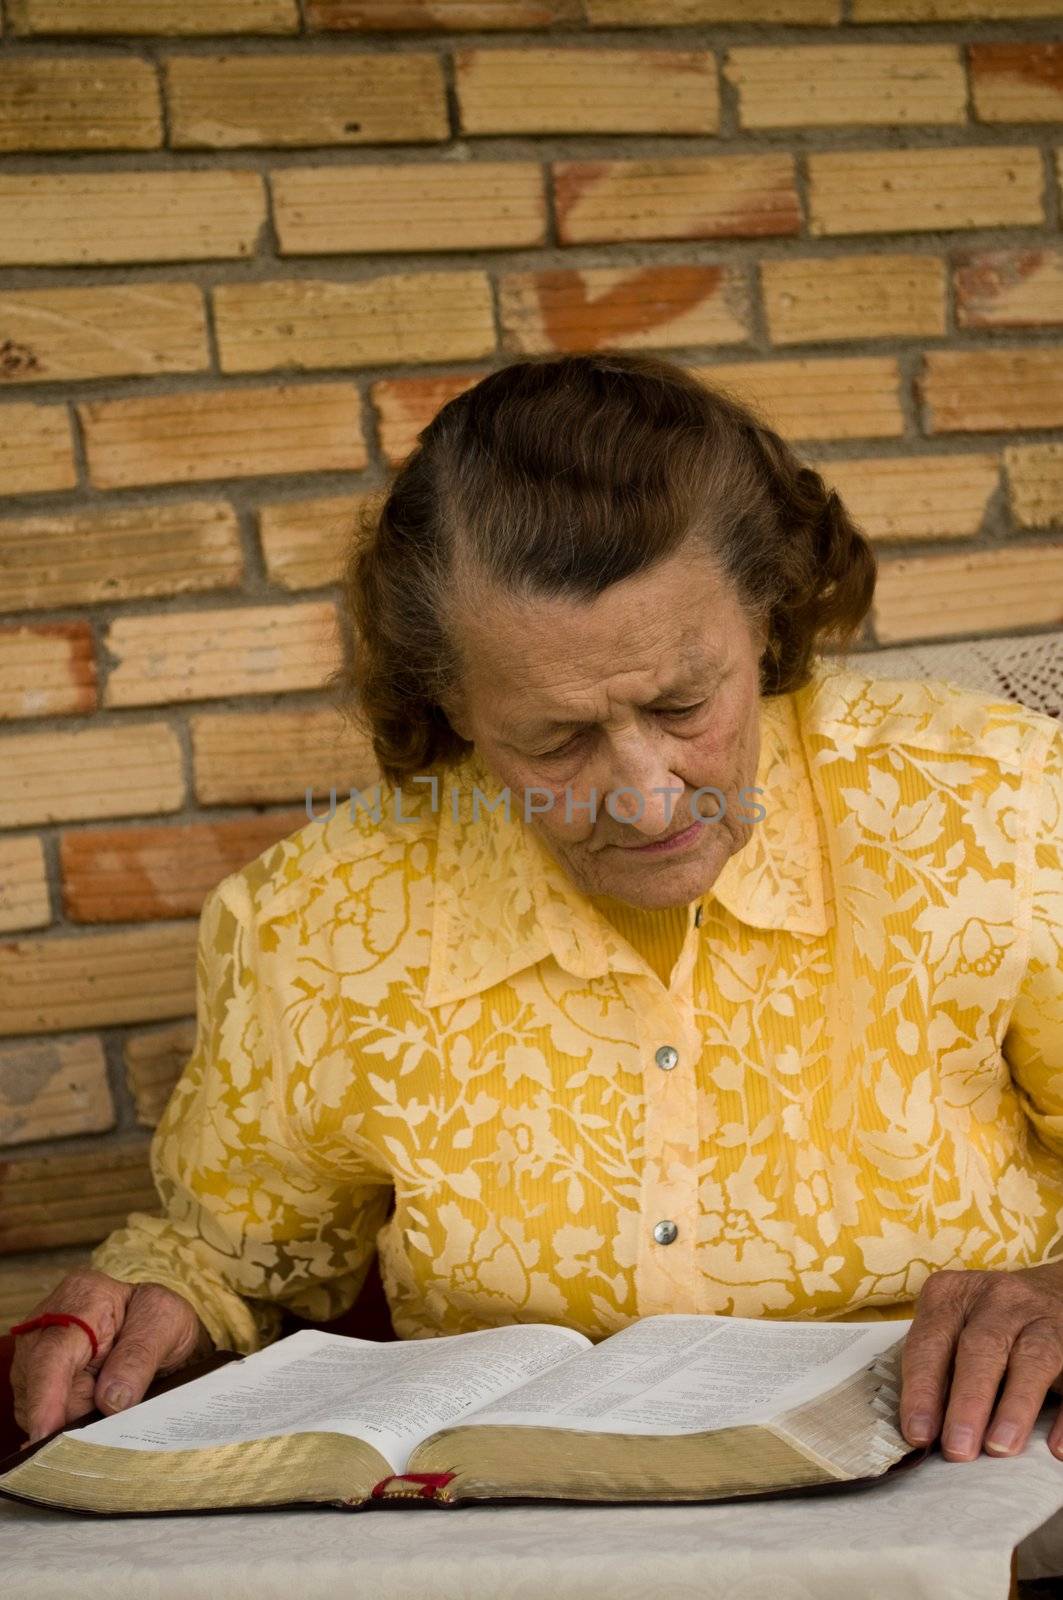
(983, 1325)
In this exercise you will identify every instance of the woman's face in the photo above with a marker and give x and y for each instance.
(649, 688)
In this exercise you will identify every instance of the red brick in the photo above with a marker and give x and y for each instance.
(145, 874)
(401, 16)
(1017, 82)
(154, 1060)
(223, 433)
(273, 757)
(211, 655)
(53, 1088)
(586, 91)
(676, 197)
(56, 981)
(108, 769)
(47, 669)
(36, 449)
(985, 390)
(631, 308)
(106, 553)
(305, 99)
(73, 1199)
(160, 18)
(25, 900)
(406, 405)
(1009, 288)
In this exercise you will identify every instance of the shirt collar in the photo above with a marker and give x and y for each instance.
(503, 903)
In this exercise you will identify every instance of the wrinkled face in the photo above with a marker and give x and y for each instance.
(643, 696)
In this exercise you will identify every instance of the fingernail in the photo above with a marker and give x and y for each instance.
(959, 1440)
(1003, 1436)
(920, 1428)
(117, 1396)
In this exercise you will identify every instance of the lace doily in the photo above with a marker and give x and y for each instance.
(1027, 668)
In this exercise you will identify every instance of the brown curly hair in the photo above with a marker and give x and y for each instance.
(561, 475)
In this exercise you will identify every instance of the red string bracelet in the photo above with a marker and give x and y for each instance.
(48, 1319)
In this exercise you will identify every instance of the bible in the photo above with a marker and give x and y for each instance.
(670, 1408)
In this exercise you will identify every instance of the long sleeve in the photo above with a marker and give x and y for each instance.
(1033, 1043)
(250, 1221)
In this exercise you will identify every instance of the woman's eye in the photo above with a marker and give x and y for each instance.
(682, 711)
(560, 749)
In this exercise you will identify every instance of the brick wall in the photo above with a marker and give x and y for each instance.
(246, 254)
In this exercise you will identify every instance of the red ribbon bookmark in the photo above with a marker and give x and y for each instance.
(430, 1481)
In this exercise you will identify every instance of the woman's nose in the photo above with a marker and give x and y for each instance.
(644, 794)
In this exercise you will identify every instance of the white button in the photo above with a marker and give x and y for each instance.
(665, 1232)
(667, 1057)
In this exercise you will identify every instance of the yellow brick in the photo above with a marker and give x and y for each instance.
(36, 450)
(210, 655)
(116, 331)
(854, 297)
(581, 90)
(951, 10)
(154, 1060)
(25, 1280)
(219, 102)
(52, 1088)
(224, 433)
(406, 405)
(1017, 82)
(159, 18)
(262, 757)
(915, 497)
(24, 897)
(654, 13)
(826, 86)
(75, 219)
(76, 1198)
(980, 591)
(680, 197)
(95, 556)
(55, 982)
(856, 398)
(980, 390)
(1009, 288)
(63, 103)
(1035, 479)
(415, 205)
(118, 770)
(307, 323)
(900, 191)
(626, 307)
(438, 15)
(304, 541)
(47, 669)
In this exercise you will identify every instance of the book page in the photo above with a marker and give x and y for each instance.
(390, 1395)
(690, 1374)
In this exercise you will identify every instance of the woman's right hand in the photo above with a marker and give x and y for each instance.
(142, 1330)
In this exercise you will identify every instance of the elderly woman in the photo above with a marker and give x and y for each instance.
(670, 969)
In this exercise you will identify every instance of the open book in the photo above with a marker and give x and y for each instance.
(669, 1408)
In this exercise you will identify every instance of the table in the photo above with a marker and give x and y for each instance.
(945, 1531)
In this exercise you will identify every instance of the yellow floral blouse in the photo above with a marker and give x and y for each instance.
(853, 1077)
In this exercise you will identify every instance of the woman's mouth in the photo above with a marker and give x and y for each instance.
(676, 841)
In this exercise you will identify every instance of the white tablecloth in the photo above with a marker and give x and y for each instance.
(944, 1531)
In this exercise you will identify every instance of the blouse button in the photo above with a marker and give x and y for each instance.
(665, 1232)
(667, 1057)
